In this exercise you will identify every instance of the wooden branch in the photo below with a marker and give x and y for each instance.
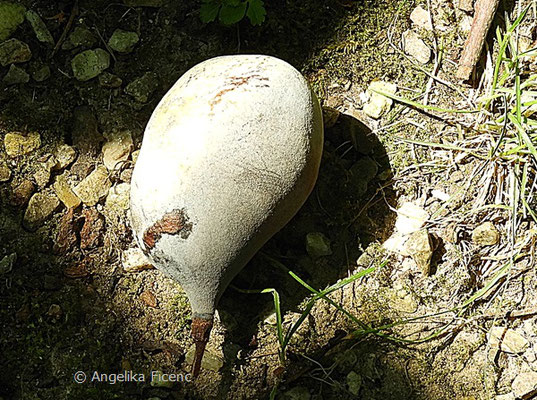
(74, 13)
(484, 14)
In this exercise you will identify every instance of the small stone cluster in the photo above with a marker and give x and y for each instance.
(68, 178)
(88, 61)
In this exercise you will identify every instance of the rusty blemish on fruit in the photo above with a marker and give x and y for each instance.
(174, 222)
(233, 83)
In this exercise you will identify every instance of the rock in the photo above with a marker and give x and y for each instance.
(89, 64)
(134, 260)
(85, 132)
(81, 36)
(272, 319)
(92, 230)
(126, 175)
(118, 199)
(14, 51)
(134, 156)
(94, 187)
(117, 149)
(466, 5)
(415, 47)
(64, 155)
(40, 29)
(440, 195)
(507, 396)
(420, 18)
(297, 393)
(148, 299)
(142, 88)
(55, 312)
(5, 172)
(410, 218)
(210, 361)
(66, 237)
(363, 171)
(466, 24)
(108, 80)
(11, 16)
(7, 262)
(40, 73)
(40, 207)
(485, 234)
(64, 192)
(79, 270)
(508, 340)
(123, 41)
(42, 175)
(15, 75)
(144, 3)
(379, 104)
(22, 193)
(420, 248)
(158, 380)
(330, 117)
(17, 144)
(354, 383)
(317, 245)
(525, 385)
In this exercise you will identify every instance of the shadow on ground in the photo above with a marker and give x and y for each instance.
(57, 323)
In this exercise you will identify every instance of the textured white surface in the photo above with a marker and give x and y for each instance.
(236, 145)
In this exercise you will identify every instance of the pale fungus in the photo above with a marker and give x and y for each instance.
(228, 157)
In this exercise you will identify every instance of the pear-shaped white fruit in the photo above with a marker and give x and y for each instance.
(228, 157)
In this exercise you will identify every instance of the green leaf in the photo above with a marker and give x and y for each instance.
(256, 12)
(209, 11)
(232, 14)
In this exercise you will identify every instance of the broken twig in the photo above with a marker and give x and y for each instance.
(484, 14)
(74, 13)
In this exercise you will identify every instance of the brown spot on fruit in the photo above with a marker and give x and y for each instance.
(233, 83)
(174, 222)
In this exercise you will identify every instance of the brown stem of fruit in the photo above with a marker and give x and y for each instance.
(201, 330)
(484, 14)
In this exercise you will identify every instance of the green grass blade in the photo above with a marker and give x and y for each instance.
(422, 106)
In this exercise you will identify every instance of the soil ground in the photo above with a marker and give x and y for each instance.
(78, 310)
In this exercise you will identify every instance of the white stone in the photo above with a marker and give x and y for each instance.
(116, 149)
(440, 195)
(118, 198)
(420, 18)
(6, 263)
(525, 385)
(133, 260)
(508, 340)
(396, 243)
(229, 155)
(466, 24)
(94, 187)
(415, 47)
(379, 104)
(65, 155)
(507, 396)
(410, 218)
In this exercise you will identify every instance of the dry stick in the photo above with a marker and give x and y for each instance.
(484, 14)
(74, 13)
